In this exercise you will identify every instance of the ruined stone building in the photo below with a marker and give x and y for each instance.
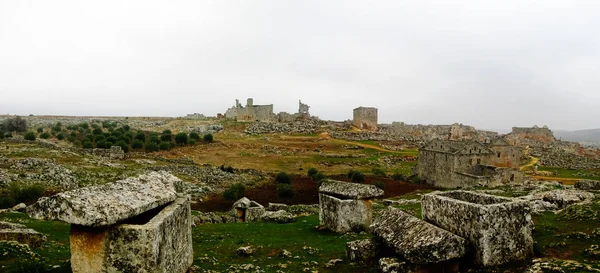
(534, 136)
(455, 131)
(251, 112)
(452, 164)
(365, 118)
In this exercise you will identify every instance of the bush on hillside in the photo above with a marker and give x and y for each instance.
(285, 192)
(283, 178)
(235, 192)
(208, 138)
(30, 136)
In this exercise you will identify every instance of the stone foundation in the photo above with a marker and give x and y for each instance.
(498, 228)
(157, 241)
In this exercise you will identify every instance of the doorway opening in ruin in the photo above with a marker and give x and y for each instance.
(512, 177)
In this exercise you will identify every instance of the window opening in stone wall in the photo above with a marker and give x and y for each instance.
(498, 154)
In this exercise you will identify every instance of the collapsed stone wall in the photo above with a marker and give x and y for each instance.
(304, 126)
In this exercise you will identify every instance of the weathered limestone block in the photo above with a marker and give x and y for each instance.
(345, 206)
(21, 234)
(344, 215)
(415, 240)
(346, 190)
(498, 228)
(255, 214)
(109, 203)
(364, 251)
(157, 241)
(587, 185)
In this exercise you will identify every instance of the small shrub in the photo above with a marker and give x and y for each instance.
(88, 144)
(283, 178)
(415, 179)
(40, 130)
(97, 131)
(235, 192)
(191, 142)
(6, 201)
(71, 139)
(123, 145)
(102, 144)
(153, 137)
(151, 147)
(30, 136)
(194, 136)
(229, 169)
(2, 133)
(137, 144)
(378, 171)
(181, 138)
(285, 192)
(312, 171)
(26, 193)
(60, 136)
(140, 136)
(358, 177)
(167, 135)
(380, 185)
(208, 138)
(398, 177)
(45, 135)
(318, 177)
(164, 145)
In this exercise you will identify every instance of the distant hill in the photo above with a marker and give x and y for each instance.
(586, 137)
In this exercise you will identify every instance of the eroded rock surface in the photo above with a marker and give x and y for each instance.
(109, 203)
(363, 251)
(563, 198)
(416, 240)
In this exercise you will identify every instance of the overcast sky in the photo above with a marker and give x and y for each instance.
(491, 64)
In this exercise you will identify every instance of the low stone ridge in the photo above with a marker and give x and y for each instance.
(109, 203)
(416, 240)
(21, 234)
(588, 185)
(349, 190)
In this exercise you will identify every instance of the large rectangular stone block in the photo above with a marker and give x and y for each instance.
(110, 203)
(499, 228)
(157, 241)
(415, 240)
(344, 215)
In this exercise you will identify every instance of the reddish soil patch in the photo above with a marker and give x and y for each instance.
(306, 192)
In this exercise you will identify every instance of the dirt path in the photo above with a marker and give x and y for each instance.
(534, 160)
(564, 181)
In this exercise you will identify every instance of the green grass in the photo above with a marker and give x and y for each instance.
(568, 234)
(54, 252)
(215, 246)
(568, 173)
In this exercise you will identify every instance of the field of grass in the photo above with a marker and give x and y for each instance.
(568, 173)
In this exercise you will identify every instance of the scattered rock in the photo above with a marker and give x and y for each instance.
(245, 251)
(563, 198)
(21, 234)
(285, 254)
(333, 262)
(393, 265)
(349, 190)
